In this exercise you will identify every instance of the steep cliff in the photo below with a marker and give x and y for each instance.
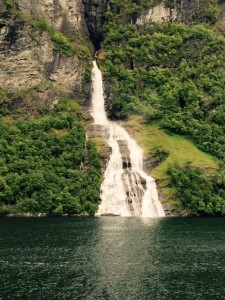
(94, 15)
(158, 13)
(46, 164)
(65, 15)
(43, 45)
(163, 60)
(178, 10)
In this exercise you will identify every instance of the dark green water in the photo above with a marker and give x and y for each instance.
(112, 258)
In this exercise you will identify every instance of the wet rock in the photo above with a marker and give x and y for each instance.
(97, 131)
(94, 15)
(149, 163)
(125, 154)
(109, 215)
(99, 134)
(168, 209)
(143, 183)
(134, 191)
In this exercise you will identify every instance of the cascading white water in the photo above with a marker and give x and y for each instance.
(126, 190)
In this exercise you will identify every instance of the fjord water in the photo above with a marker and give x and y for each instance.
(126, 190)
(112, 258)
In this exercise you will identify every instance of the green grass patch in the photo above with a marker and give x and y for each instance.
(69, 105)
(64, 44)
(100, 145)
(181, 150)
(9, 3)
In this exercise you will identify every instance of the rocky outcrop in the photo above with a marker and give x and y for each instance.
(98, 134)
(169, 211)
(65, 15)
(178, 10)
(158, 14)
(28, 57)
(125, 154)
(94, 15)
(187, 8)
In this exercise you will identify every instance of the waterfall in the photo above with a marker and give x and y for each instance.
(126, 190)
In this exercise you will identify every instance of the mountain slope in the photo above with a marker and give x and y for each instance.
(163, 61)
(46, 164)
(166, 63)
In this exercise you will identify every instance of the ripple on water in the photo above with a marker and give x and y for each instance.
(112, 258)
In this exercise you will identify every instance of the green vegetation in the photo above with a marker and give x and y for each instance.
(63, 44)
(7, 99)
(87, 75)
(47, 166)
(171, 72)
(207, 13)
(173, 75)
(177, 148)
(9, 3)
(198, 193)
(4, 102)
(170, 150)
(162, 77)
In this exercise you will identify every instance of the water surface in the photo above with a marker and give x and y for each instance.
(112, 258)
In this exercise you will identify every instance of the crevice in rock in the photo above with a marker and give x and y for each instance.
(94, 16)
(12, 34)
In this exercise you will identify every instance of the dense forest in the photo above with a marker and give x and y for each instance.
(173, 74)
(46, 164)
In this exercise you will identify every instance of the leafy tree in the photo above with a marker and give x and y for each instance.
(41, 165)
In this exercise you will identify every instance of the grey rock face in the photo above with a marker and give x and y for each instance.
(66, 15)
(94, 10)
(158, 14)
(27, 56)
(125, 154)
(187, 8)
(180, 10)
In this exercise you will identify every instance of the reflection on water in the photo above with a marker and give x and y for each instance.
(124, 257)
(112, 258)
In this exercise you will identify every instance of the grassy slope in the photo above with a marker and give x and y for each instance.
(181, 151)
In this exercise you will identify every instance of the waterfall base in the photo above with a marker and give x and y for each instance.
(126, 190)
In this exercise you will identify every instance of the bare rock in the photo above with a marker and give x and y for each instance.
(169, 211)
(158, 14)
(27, 56)
(179, 10)
(65, 15)
(125, 154)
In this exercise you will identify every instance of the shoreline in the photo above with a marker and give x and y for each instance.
(41, 215)
(45, 215)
